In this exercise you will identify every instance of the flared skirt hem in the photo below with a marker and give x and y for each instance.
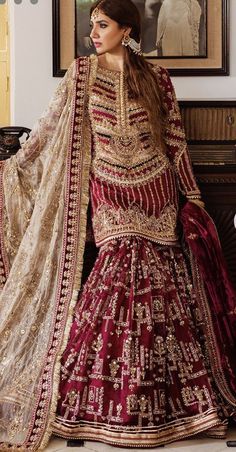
(142, 437)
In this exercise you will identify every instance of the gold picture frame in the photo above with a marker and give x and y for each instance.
(216, 61)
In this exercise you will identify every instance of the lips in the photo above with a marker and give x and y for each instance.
(97, 44)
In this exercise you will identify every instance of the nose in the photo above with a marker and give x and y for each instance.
(94, 33)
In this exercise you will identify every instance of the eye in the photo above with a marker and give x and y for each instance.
(103, 25)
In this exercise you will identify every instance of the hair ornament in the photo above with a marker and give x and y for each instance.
(135, 46)
(95, 13)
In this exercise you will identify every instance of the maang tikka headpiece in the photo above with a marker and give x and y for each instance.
(97, 10)
(95, 13)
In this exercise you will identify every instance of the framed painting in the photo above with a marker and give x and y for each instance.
(188, 37)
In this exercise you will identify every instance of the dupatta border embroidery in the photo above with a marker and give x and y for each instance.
(4, 265)
(210, 337)
(76, 201)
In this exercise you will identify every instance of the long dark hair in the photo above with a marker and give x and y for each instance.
(141, 78)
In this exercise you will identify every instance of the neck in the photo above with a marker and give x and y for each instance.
(113, 61)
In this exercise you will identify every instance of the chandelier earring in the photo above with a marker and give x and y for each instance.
(125, 40)
(135, 46)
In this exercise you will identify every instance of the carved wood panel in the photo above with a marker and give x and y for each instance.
(224, 221)
(211, 133)
(218, 187)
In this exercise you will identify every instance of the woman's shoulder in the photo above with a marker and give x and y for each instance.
(161, 71)
(163, 77)
(85, 59)
(77, 66)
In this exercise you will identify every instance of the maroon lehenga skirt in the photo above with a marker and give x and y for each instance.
(135, 371)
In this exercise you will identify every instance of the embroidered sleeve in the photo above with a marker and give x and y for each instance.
(175, 140)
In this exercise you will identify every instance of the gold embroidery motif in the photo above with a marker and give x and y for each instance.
(114, 367)
(119, 127)
(109, 222)
(134, 171)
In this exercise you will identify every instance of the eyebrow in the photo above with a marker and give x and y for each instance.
(99, 21)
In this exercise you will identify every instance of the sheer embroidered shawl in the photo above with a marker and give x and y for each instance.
(43, 227)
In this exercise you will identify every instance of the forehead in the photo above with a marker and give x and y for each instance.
(98, 16)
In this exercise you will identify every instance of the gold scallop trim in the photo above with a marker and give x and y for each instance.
(83, 142)
(139, 437)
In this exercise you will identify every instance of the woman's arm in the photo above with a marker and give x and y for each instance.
(174, 138)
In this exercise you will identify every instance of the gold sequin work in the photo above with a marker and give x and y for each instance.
(133, 186)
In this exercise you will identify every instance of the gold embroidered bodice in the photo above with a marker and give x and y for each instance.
(121, 127)
(133, 183)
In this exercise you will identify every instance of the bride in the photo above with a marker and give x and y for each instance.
(143, 353)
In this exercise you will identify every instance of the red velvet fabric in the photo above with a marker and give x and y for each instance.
(141, 354)
(201, 236)
(135, 345)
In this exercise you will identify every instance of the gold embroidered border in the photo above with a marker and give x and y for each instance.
(77, 199)
(146, 171)
(111, 223)
(4, 266)
(68, 286)
(217, 370)
(137, 436)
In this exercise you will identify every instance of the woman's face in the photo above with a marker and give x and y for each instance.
(106, 34)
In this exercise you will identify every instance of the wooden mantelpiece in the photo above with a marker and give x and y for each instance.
(209, 121)
(211, 134)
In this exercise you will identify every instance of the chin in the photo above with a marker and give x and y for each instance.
(100, 51)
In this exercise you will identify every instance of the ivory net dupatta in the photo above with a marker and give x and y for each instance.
(43, 227)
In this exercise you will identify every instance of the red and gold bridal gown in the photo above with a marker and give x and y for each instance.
(135, 371)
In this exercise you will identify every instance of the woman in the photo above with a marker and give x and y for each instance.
(178, 28)
(131, 358)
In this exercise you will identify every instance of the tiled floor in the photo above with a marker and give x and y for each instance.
(194, 445)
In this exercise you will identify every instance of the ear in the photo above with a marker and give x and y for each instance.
(127, 31)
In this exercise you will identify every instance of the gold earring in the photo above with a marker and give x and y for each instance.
(125, 40)
(135, 46)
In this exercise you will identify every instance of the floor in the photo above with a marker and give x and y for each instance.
(194, 445)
